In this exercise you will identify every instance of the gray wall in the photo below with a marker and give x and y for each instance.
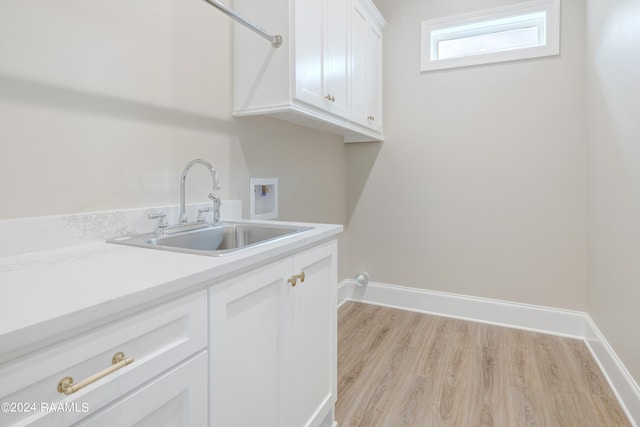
(480, 187)
(614, 171)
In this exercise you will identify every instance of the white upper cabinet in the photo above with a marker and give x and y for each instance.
(317, 78)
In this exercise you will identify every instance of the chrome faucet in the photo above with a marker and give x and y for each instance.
(212, 196)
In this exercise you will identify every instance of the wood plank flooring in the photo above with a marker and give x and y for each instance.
(399, 368)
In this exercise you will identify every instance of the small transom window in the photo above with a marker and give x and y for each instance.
(523, 30)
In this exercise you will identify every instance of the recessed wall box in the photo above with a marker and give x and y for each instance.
(263, 198)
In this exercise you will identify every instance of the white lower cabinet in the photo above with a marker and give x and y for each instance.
(273, 357)
(269, 359)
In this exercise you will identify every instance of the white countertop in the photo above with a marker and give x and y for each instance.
(49, 293)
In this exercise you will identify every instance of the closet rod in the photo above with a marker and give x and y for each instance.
(276, 41)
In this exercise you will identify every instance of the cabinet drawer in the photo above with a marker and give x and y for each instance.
(177, 398)
(157, 339)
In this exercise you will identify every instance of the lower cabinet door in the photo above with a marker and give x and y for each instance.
(246, 316)
(314, 337)
(178, 398)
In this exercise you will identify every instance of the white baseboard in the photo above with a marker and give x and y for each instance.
(567, 323)
(522, 316)
(622, 383)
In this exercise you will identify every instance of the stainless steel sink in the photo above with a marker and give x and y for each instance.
(220, 240)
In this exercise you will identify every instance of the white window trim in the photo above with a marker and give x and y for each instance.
(552, 36)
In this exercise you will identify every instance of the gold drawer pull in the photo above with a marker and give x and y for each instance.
(294, 279)
(118, 361)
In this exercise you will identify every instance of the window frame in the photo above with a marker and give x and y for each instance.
(448, 28)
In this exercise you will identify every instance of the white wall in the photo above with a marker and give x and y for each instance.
(480, 187)
(614, 170)
(103, 103)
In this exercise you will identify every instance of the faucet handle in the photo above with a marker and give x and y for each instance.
(163, 224)
(201, 212)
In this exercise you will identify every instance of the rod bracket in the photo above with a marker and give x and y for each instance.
(278, 41)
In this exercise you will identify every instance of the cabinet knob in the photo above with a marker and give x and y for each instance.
(330, 98)
(370, 117)
(294, 279)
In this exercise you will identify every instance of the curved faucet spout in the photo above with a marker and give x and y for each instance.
(183, 179)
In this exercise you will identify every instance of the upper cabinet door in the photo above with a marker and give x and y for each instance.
(308, 51)
(321, 42)
(366, 68)
(374, 78)
(336, 29)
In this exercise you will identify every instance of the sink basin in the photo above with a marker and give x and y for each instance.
(214, 241)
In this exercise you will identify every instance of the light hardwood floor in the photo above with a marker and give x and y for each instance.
(400, 368)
